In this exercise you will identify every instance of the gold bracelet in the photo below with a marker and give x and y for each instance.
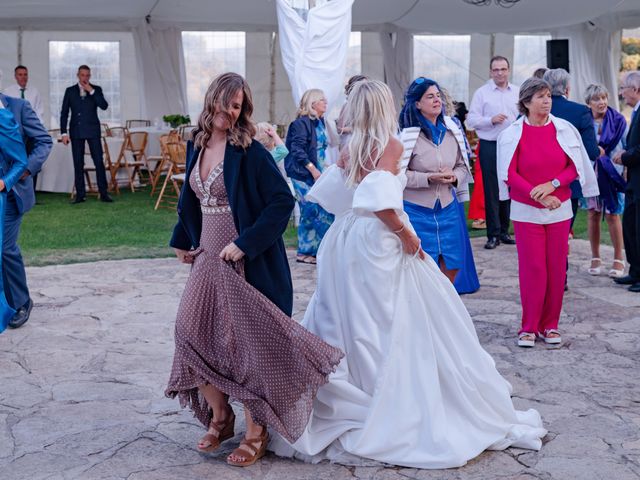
(398, 231)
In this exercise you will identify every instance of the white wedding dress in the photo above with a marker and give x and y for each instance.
(415, 388)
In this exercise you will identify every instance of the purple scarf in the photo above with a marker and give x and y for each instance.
(609, 180)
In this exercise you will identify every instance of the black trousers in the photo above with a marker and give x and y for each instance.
(95, 147)
(630, 232)
(496, 211)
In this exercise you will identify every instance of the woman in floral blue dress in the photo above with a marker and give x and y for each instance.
(307, 142)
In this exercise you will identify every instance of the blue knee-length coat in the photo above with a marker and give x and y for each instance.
(261, 204)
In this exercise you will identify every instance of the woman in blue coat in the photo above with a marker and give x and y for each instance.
(307, 141)
(234, 337)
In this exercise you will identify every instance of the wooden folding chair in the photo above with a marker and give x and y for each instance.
(120, 132)
(109, 166)
(137, 147)
(104, 130)
(162, 160)
(184, 132)
(137, 123)
(176, 173)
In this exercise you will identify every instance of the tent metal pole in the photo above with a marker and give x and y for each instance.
(272, 79)
(19, 35)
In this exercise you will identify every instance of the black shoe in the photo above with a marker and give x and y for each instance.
(507, 240)
(78, 200)
(22, 315)
(492, 243)
(626, 280)
(635, 287)
(106, 198)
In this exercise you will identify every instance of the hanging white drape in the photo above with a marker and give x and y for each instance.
(594, 57)
(314, 52)
(161, 71)
(397, 52)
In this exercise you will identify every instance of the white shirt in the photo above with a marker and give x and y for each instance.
(31, 94)
(488, 101)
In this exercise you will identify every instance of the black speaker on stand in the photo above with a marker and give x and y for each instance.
(558, 54)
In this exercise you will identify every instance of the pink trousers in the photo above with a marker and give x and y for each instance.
(542, 264)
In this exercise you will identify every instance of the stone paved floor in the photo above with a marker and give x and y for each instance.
(81, 385)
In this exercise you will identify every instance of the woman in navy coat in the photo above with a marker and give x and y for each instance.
(234, 337)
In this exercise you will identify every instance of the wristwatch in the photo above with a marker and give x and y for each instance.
(555, 182)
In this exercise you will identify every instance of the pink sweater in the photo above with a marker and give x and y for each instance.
(539, 159)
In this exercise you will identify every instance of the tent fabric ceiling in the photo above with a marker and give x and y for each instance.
(416, 16)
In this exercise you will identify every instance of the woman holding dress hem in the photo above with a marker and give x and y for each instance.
(233, 335)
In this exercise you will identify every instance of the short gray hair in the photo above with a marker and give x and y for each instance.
(558, 79)
(595, 90)
(528, 89)
(632, 79)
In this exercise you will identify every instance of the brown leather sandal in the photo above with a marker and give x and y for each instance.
(224, 429)
(250, 450)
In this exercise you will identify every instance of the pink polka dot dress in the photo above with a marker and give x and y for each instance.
(231, 336)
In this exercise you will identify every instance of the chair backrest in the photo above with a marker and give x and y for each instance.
(104, 130)
(137, 141)
(120, 132)
(177, 153)
(184, 132)
(166, 138)
(138, 123)
(54, 132)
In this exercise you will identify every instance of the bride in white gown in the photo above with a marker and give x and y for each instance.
(415, 387)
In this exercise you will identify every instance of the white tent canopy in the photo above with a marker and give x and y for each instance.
(593, 27)
(416, 16)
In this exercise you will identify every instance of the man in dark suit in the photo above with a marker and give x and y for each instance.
(630, 158)
(84, 99)
(20, 199)
(579, 116)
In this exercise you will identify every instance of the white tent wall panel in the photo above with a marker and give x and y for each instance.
(35, 55)
(8, 56)
(372, 56)
(258, 68)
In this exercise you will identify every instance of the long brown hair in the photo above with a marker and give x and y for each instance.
(218, 99)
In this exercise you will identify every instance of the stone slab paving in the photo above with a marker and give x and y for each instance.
(81, 385)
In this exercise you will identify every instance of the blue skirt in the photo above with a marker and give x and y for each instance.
(467, 280)
(439, 231)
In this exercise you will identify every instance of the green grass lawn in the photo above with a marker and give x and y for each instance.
(56, 232)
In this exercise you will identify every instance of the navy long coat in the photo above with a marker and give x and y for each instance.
(261, 204)
(579, 116)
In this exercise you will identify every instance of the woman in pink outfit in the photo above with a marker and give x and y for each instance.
(539, 155)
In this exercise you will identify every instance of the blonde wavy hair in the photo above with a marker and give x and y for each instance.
(373, 119)
(218, 100)
(306, 103)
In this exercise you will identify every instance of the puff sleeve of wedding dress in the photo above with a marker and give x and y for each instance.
(415, 387)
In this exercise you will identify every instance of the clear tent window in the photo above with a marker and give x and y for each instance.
(104, 60)
(445, 59)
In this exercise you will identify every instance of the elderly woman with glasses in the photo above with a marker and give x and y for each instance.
(539, 155)
(610, 127)
(437, 166)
